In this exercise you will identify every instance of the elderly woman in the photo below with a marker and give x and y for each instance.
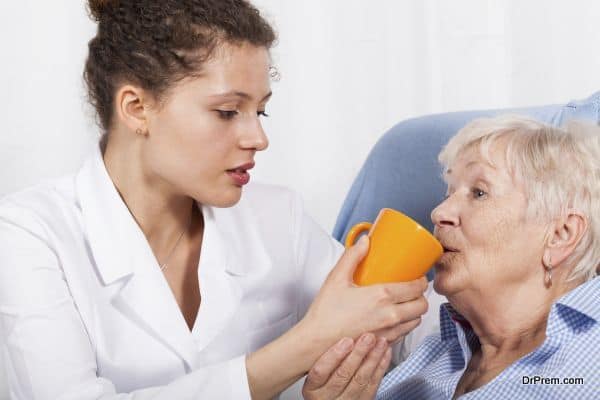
(521, 231)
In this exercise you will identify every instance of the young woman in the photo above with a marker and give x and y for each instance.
(156, 271)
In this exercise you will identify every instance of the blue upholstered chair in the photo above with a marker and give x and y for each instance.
(402, 171)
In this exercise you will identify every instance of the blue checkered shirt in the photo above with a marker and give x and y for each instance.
(571, 350)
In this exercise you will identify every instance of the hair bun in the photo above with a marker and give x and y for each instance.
(98, 8)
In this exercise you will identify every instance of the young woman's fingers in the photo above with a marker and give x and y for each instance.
(398, 331)
(344, 269)
(394, 314)
(400, 292)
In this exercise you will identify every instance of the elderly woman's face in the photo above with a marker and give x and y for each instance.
(489, 242)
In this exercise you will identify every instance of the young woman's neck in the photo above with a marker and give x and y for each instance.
(160, 212)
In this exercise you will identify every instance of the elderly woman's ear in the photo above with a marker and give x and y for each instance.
(564, 236)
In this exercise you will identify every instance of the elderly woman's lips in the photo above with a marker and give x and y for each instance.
(447, 256)
(449, 249)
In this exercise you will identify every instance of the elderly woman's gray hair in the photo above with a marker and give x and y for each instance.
(559, 167)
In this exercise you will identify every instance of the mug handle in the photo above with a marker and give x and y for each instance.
(355, 231)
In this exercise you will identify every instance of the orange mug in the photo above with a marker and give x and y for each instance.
(400, 249)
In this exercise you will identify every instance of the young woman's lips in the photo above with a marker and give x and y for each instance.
(240, 174)
(239, 177)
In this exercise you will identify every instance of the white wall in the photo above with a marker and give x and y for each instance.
(45, 131)
(350, 69)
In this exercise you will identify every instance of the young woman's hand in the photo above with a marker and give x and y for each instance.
(342, 309)
(348, 370)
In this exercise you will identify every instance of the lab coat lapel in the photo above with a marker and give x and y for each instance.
(120, 251)
(242, 240)
(147, 299)
(233, 256)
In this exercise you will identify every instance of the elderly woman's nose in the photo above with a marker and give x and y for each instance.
(444, 215)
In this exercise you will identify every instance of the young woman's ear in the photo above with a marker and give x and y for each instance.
(131, 104)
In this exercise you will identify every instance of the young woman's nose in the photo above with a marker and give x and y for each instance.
(254, 136)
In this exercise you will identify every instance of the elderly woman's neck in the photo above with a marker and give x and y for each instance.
(510, 322)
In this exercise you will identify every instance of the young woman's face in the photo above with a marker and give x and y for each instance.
(203, 137)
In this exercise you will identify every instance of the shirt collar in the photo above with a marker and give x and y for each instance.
(449, 318)
(583, 300)
(576, 310)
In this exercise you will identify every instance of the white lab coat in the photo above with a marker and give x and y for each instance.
(87, 314)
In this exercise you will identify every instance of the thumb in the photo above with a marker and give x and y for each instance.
(344, 269)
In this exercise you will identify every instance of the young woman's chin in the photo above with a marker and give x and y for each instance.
(224, 197)
(229, 201)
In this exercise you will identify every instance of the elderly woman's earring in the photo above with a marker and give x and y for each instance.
(548, 277)
(139, 131)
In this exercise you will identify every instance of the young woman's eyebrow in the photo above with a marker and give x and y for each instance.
(239, 94)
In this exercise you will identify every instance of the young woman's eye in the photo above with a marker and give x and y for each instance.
(478, 193)
(227, 114)
(262, 113)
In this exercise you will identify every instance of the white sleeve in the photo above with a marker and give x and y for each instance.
(316, 255)
(45, 344)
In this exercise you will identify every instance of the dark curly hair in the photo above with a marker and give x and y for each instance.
(155, 43)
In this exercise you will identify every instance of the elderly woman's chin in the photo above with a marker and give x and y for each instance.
(448, 277)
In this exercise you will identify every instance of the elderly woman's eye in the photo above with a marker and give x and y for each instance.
(478, 193)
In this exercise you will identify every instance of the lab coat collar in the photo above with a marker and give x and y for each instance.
(109, 226)
(121, 253)
(232, 255)
(239, 241)
(120, 249)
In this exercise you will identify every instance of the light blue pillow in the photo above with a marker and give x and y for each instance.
(402, 171)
